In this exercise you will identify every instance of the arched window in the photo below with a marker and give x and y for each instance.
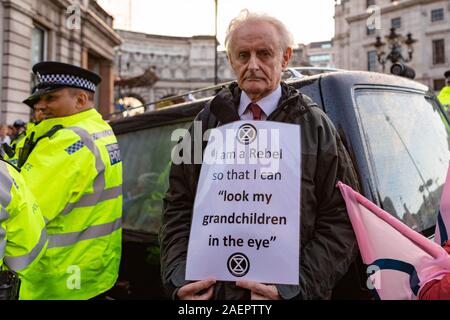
(166, 74)
(179, 74)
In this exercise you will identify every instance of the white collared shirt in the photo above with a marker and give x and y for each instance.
(268, 104)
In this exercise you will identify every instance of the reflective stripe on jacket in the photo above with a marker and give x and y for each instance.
(76, 176)
(22, 229)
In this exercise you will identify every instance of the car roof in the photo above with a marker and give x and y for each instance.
(353, 78)
(324, 69)
(338, 80)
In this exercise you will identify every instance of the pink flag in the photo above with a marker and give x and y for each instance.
(399, 259)
(443, 218)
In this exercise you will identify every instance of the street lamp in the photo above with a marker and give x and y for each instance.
(215, 42)
(119, 56)
(395, 42)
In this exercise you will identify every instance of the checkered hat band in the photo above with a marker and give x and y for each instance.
(67, 80)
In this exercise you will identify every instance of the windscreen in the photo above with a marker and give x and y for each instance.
(409, 149)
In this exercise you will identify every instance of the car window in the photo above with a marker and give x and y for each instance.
(408, 146)
(146, 165)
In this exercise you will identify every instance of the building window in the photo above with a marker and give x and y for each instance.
(166, 74)
(179, 74)
(319, 58)
(437, 15)
(372, 60)
(203, 52)
(438, 51)
(38, 45)
(370, 3)
(370, 31)
(203, 74)
(396, 23)
(438, 84)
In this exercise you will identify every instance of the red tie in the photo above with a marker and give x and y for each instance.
(256, 111)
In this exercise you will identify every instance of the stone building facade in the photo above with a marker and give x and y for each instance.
(77, 32)
(427, 20)
(315, 54)
(180, 64)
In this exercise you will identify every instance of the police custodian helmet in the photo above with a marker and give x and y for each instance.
(52, 76)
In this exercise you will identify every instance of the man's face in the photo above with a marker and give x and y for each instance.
(257, 58)
(60, 103)
(38, 115)
(3, 131)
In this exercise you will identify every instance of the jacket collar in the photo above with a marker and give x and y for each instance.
(44, 126)
(232, 93)
(268, 104)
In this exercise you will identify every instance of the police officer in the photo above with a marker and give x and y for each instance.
(22, 233)
(71, 162)
(444, 95)
(8, 150)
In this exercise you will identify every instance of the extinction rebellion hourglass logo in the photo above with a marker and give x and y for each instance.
(238, 264)
(246, 134)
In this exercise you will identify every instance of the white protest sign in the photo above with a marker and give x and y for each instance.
(246, 218)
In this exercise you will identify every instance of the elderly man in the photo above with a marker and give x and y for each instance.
(71, 163)
(259, 48)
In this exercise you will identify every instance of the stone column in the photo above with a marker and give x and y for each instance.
(16, 64)
(106, 88)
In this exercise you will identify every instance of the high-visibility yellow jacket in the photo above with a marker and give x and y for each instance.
(17, 144)
(444, 96)
(76, 177)
(22, 229)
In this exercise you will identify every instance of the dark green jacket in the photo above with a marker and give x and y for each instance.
(328, 244)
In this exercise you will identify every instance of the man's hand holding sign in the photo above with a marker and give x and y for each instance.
(260, 291)
(199, 290)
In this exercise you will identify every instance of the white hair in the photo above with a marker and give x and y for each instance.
(245, 16)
